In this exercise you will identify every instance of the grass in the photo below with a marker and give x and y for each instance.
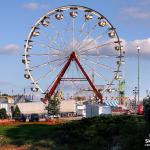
(39, 136)
(98, 133)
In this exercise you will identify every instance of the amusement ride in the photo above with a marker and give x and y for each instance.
(73, 44)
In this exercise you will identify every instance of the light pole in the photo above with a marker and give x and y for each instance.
(138, 49)
(135, 92)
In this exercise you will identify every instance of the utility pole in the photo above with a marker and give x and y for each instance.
(135, 92)
(138, 49)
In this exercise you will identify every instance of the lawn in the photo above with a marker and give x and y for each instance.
(97, 133)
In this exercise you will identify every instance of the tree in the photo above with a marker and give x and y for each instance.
(146, 104)
(53, 106)
(16, 113)
(3, 114)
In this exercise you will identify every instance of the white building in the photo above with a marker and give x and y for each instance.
(32, 107)
(6, 102)
(66, 106)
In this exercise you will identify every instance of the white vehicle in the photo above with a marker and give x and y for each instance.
(105, 110)
(96, 110)
(51, 116)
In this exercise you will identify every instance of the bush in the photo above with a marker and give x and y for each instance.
(146, 104)
(105, 132)
(16, 113)
(3, 114)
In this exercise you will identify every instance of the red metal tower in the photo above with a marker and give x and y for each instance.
(72, 57)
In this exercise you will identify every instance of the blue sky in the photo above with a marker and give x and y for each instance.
(131, 20)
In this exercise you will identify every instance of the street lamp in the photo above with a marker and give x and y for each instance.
(138, 49)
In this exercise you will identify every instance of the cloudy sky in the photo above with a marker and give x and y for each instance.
(131, 19)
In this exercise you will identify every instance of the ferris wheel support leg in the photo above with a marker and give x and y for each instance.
(98, 94)
(57, 81)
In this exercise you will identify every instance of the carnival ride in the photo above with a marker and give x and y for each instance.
(73, 43)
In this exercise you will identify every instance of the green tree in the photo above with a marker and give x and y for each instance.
(146, 104)
(3, 114)
(16, 112)
(53, 106)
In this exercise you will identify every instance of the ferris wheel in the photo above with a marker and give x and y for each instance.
(73, 35)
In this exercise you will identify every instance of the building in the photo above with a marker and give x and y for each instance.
(6, 102)
(32, 107)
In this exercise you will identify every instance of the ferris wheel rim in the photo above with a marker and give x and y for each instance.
(51, 13)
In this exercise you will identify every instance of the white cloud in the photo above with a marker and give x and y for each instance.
(136, 13)
(131, 47)
(33, 6)
(9, 49)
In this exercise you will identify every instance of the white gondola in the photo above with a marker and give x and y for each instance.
(74, 14)
(102, 23)
(88, 16)
(27, 76)
(28, 46)
(36, 33)
(27, 61)
(118, 77)
(118, 48)
(109, 90)
(59, 16)
(34, 89)
(45, 23)
(112, 34)
(120, 62)
(23, 61)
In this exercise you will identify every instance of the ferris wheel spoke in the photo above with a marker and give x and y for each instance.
(39, 66)
(82, 28)
(59, 35)
(38, 54)
(46, 54)
(52, 70)
(92, 40)
(98, 55)
(87, 35)
(47, 63)
(41, 44)
(96, 73)
(59, 59)
(81, 32)
(101, 65)
(99, 46)
(51, 40)
(73, 32)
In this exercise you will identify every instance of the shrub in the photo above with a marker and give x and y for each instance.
(16, 113)
(3, 114)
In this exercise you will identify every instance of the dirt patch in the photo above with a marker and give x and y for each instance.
(7, 121)
(13, 147)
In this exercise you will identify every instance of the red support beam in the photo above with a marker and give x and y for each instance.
(72, 57)
(98, 94)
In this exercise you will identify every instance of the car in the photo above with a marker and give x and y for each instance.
(34, 117)
(51, 116)
(22, 118)
(140, 110)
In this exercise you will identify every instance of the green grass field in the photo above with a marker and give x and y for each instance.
(36, 135)
(98, 133)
